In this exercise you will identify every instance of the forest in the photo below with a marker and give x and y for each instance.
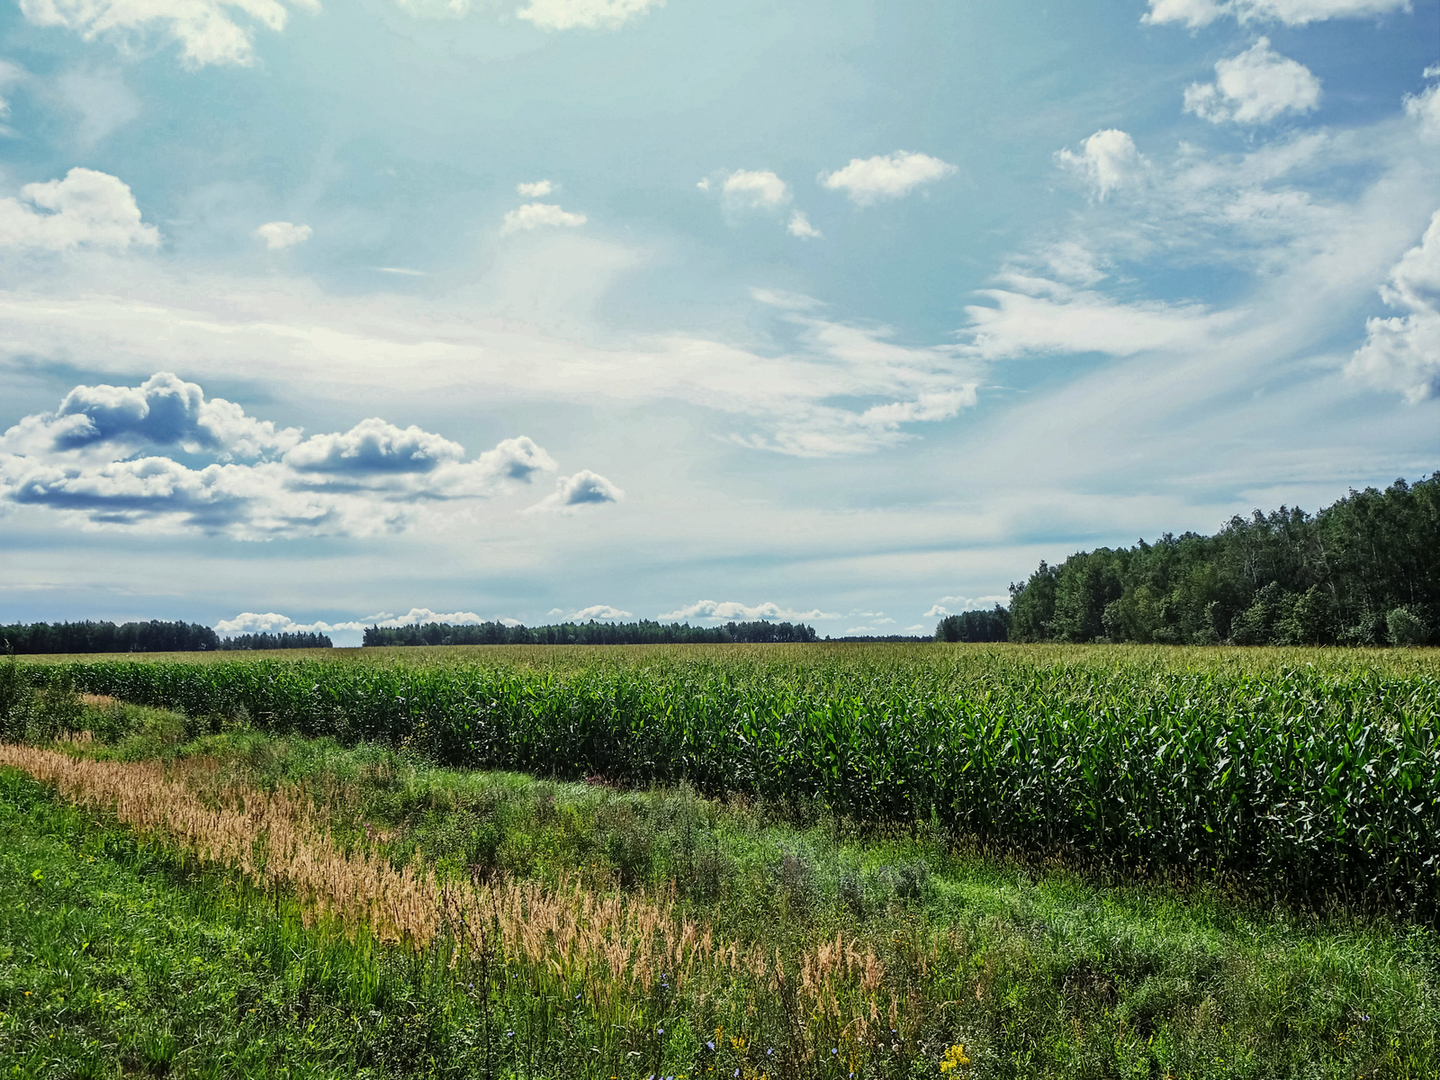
(152, 636)
(1363, 571)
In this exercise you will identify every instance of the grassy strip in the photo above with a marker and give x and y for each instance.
(1037, 976)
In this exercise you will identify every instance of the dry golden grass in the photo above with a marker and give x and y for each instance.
(616, 945)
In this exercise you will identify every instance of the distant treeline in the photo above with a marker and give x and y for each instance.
(1364, 571)
(152, 636)
(645, 632)
(975, 626)
(283, 640)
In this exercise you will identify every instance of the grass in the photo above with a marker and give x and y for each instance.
(1034, 968)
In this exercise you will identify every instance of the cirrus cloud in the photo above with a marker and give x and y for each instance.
(1197, 13)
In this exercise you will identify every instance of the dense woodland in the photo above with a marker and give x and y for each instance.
(152, 636)
(644, 632)
(1364, 571)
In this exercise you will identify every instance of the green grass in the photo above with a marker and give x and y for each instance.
(1039, 972)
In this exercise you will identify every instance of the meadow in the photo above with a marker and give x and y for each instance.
(771, 861)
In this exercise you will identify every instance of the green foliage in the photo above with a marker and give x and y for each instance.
(106, 637)
(1308, 774)
(1283, 578)
(975, 626)
(1406, 628)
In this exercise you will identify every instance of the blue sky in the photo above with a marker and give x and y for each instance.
(314, 314)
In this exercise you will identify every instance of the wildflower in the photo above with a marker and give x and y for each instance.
(709, 1044)
(953, 1058)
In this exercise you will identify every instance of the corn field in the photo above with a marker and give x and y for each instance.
(1307, 773)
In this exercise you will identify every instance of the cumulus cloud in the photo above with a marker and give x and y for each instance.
(95, 457)
(597, 611)
(1254, 87)
(585, 488)
(745, 189)
(731, 610)
(536, 190)
(283, 234)
(1403, 352)
(950, 605)
(1424, 107)
(249, 622)
(584, 14)
(374, 446)
(1106, 160)
(869, 180)
(204, 28)
(163, 411)
(536, 215)
(86, 209)
(800, 226)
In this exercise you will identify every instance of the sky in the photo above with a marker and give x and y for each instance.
(317, 314)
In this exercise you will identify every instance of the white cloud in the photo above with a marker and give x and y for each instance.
(757, 190)
(1254, 88)
(806, 392)
(86, 209)
(1424, 107)
(870, 180)
(538, 189)
(283, 234)
(585, 488)
(164, 411)
(597, 611)
(94, 458)
(1038, 317)
(1195, 13)
(733, 611)
(535, 215)
(1106, 160)
(951, 605)
(583, 14)
(800, 226)
(204, 28)
(1403, 353)
(249, 622)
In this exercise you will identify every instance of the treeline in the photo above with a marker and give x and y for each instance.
(1364, 571)
(107, 637)
(644, 632)
(152, 636)
(282, 640)
(975, 626)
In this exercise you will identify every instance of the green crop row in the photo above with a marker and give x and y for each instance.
(1293, 771)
